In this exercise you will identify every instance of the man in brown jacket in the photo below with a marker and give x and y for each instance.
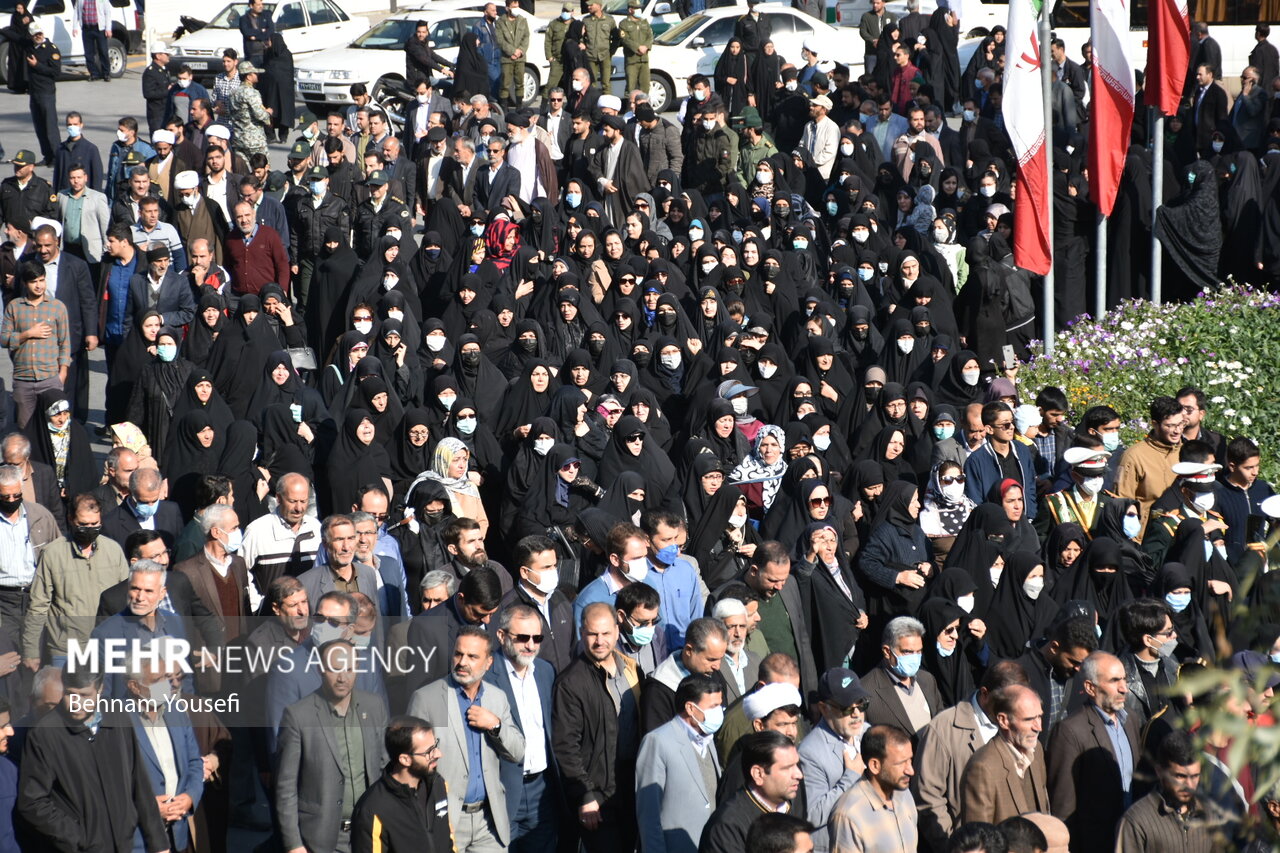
(220, 579)
(1007, 776)
(947, 744)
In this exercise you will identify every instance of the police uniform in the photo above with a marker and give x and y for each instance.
(601, 36)
(41, 90)
(513, 35)
(19, 205)
(552, 44)
(635, 33)
(370, 221)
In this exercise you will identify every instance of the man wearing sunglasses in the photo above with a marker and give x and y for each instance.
(831, 754)
(999, 458)
(527, 680)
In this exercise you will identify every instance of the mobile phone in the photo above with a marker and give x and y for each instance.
(297, 412)
(1006, 352)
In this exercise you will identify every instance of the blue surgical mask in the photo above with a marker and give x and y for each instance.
(642, 635)
(865, 274)
(1111, 441)
(572, 199)
(944, 652)
(145, 511)
(1178, 601)
(317, 188)
(234, 540)
(167, 352)
(908, 665)
(477, 230)
(1132, 526)
(942, 433)
(1097, 629)
(466, 426)
(433, 253)
(832, 208)
(669, 555)
(564, 16)
(800, 245)
(712, 719)
(1275, 658)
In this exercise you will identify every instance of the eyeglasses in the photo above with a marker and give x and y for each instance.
(525, 638)
(1190, 410)
(322, 620)
(359, 318)
(859, 707)
(1172, 632)
(496, 150)
(953, 478)
(572, 466)
(435, 747)
(816, 502)
(557, 100)
(632, 439)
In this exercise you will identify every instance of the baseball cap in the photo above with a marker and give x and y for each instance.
(821, 101)
(317, 173)
(299, 151)
(841, 687)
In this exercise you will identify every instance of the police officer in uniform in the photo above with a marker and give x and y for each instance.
(376, 212)
(637, 39)
(43, 67)
(24, 195)
(513, 42)
(552, 44)
(601, 35)
(155, 87)
(312, 216)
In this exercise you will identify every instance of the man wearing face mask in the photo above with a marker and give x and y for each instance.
(901, 693)
(312, 216)
(714, 151)
(219, 576)
(143, 510)
(1084, 501)
(627, 552)
(677, 770)
(754, 147)
(640, 634)
(197, 220)
(76, 149)
(1150, 639)
(537, 587)
(1195, 491)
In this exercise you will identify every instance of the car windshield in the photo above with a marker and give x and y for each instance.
(388, 35)
(229, 18)
(677, 34)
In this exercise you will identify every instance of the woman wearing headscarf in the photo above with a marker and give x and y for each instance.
(1062, 548)
(895, 561)
(704, 477)
(139, 349)
(477, 377)
(420, 534)
(157, 392)
(979, 550)
(906, 360)
(410, 451)
(946, 649)
(467, 425)
(837, 609)
(1216, 582)
(196, 450)
(584, 436)
(239, 354)
(731, 75)
(199, 393)
(357, 458)
(889, 449)
(527, 398)
(1120, 522)
(554, 501)
(624, 498)
(631, 448)
(449, 467)
(239, 463)
(286, 327)
(1190, 229)
(339, 375)
(726, 442)
(942, 47)
(759, 476)
(210, 322)
(281, 384)
(61, 442)
(722, 540)
(1019, 605)
(284, 450)
(1174, 585)
(471, 72)
(334, 273)
(528, 345)
(961, 386)
(1098, 577)
(383, 408)
(526, 461)
(946, 508)
(1008, 495)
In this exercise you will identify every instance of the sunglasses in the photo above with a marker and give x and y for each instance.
(632, 439)
(816, 502)
(953, 478)
(572, 466)
(525, 638)
(859, 707)
(335, 623)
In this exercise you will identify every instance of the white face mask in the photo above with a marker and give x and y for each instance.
(940, 235)
(1216, 145)
(822, 441)
(905, 345)
(671, 362)
(364, 327)
(1204, 502)
(1091, 485)
(695, 234)
(763, 176)
(767, 370)
(708, 267)
(396, 314)
(737, 520)
(435, 343)
(709, 124)
(549, 581)
(846, 148)
(953, 492)
(74, 131)
(424, 98)
(987, 191)
(542, 446)
(862, 235)
(792, 85)
(965, 603)
(971, 377)
(995, 575)
(1033, 587)
(447, 401)
(122, 137)
(578, 85)
(389, 282)
(969, 115)
(637, 569)
(740, 405)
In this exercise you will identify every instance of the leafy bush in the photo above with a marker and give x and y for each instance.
(1226, 342)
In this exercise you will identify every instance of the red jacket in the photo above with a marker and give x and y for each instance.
(254, 264)
(900, 87)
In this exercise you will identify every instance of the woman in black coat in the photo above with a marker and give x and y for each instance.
(836, 605)
(137, 351)
(61, 442)
(471, 74)
(277, 86)
(157, 392)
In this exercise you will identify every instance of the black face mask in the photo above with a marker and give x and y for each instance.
(641, 358)
(528, 345)
(666, 320)
(861, 333)
(8, 507)
(595, 346)
(750, 355)
(470, 359)
(85, 534)
(784, 213)
(432, 517)
(735, 288)
(536, 217)
(768, 272)
(873, 393)
(759, 215)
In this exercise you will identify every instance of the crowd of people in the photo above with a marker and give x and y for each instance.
(583, 478)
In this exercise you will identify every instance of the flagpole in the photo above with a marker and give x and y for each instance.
(1157, 198)
(1100, 293)
(1046, 84)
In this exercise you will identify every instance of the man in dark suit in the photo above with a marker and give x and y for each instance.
(537, 587)
(1059, 660)
(1205, 50)
(143, 510)
(69, 280)
(556, 119)
(496, 180)
(219, 578)
(902, 694)
(527, 680)
(162, 289)
(582, 100)
(1264, 56)
(311, 770)
(458, 173)
(1209, 109)
(402, 168)
(39, 483)
(432, 632)
(1092, 755)
(1068, 72)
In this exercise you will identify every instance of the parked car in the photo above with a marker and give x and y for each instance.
(377, 58)
(58, 17)
(309, 26)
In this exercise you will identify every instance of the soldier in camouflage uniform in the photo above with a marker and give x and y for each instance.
(601, 35)
(637, 39)
(249, 118)
(513, 42)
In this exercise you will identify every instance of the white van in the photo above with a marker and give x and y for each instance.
(58, 17)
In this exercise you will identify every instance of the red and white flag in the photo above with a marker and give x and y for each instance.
(1168, 53)
(1114, 93)
(1025, 121)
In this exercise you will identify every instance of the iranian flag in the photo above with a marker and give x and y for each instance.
(1025, 121)
(1168, 53)
(1114, 92)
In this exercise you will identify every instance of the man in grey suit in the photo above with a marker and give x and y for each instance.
(341, 572)
(85, 212)
(677, 771)
(331, 750)
(831, 754)
(479, 733)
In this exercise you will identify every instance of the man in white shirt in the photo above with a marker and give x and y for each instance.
(527, 681)
(821, 136)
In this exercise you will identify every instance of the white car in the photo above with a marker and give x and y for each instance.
(309, 26)
(58, 17)
(377, 58)
(694, 45)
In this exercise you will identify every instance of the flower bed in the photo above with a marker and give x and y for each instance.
(1226, 342)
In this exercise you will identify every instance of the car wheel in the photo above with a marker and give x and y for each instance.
(661, 93)
(531, 85)
(4, 62)
(117, 57)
